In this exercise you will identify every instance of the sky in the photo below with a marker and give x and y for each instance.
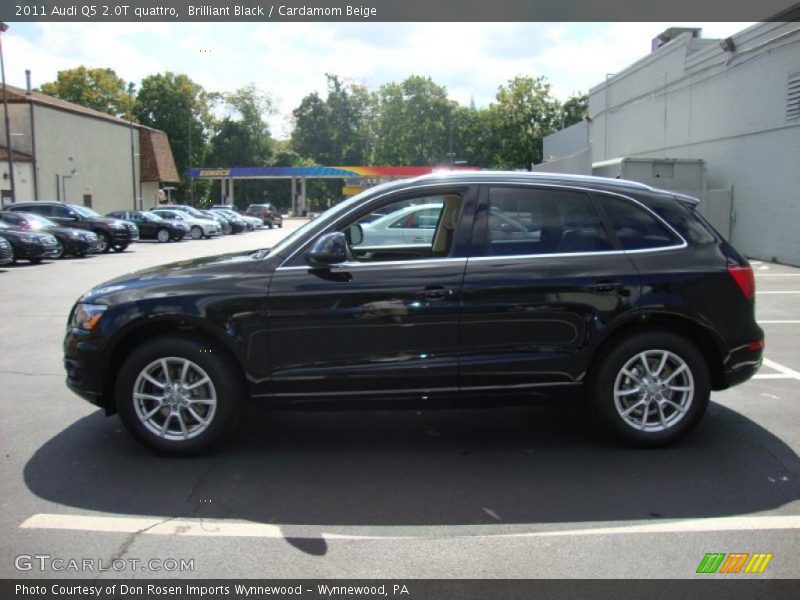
(289, 60)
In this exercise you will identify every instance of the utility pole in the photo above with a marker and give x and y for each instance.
(133, 157)
(3, 29)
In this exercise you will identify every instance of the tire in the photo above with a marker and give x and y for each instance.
(672, 399)
(196, 232)
(162, 235)
(120, 248)
(227, 229)
(104, 242)
(184, 433)
(61, 251)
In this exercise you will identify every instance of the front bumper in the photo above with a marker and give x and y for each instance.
(82, 359)
(121, 237)
(79, 246)
(211, 230)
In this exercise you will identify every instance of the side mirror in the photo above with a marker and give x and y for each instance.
(330, 249)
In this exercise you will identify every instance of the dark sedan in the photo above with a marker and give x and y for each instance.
(151, 226)
(29, 245)
(6, 253)
(77, 242)
(617, 291)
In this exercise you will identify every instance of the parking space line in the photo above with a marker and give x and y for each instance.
(778, 322)
(779, 292)
(231, 528)
(785, 371)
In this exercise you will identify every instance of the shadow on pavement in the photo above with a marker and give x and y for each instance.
(529, 465)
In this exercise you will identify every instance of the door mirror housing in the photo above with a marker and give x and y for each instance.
(355, 235)
(330, 249)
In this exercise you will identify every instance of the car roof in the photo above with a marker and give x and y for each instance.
(530, 177)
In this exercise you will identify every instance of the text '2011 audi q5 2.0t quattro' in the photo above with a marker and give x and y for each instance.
(509, 287)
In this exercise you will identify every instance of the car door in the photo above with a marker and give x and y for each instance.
(383, 324)
(545, 277)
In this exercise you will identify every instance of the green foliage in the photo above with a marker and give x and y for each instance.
(181, 108)
(575, 109)
(100, 89)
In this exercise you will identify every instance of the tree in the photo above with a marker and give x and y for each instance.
(333, 131)
(181, 108)
(574, 109)
(524, 113)
(100, 89)
(242, 139)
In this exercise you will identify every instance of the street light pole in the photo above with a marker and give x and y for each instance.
(133, 157)
(3, 29)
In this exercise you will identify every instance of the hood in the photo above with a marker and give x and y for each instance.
(172, 278)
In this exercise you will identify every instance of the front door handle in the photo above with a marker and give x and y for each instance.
(436, 292)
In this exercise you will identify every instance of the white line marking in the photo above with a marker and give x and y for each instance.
(771, 376)
(778, 322)
(781, 369)
(780, 292)
(229, 528)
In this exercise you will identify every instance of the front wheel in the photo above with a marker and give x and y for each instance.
(177, 397)
(103, 242)
(196, 232)
(652, 388)
(60, 252)
(163, 235)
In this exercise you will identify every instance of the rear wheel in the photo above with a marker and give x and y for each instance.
(59, 250)
(652, 388)
(177, 397)
(162, 235)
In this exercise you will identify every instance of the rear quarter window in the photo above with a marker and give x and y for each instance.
(635, 227)
(687, 221)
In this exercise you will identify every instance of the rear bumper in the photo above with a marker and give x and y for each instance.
(743, 362)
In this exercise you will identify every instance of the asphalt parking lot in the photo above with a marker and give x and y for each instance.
(533, 492)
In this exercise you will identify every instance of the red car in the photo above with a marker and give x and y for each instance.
(270, 215)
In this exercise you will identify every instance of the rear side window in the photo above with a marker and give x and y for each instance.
(38, 209)
(635, 227)
(543, 221)
(687, 221)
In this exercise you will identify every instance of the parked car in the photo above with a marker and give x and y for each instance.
(229, 224)
(237, 222)
(6, 253)
(29, 245)
(151, 226)
(253, 223)
(77, 242)
(621, 295)
(111, 233)
(269, 215)
(198, 227)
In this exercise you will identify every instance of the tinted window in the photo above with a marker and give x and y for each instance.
(37, 209)
(686, 220)
(636, 228)
(537, 221)
(63, 211)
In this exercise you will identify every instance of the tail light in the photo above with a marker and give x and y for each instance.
(744, 278)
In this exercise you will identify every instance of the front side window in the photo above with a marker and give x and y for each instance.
(635, 227)
(407, 229)
(534, 221)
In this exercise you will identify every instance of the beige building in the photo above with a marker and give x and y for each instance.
(63, 151)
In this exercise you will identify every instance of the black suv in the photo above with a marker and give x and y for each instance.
(111, 233)
(513, 287)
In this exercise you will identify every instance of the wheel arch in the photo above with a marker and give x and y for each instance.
(708, 343)
(143, 331)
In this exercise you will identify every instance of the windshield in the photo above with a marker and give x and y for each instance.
(324, 219)
(83, 211)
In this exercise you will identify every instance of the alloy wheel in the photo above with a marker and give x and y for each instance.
(174, 398)
(653, 390)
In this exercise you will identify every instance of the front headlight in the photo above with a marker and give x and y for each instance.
(86, 316)
(118, 226)
(76, 235)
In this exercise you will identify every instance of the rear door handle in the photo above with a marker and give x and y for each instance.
(605, 287)
(436, 292)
